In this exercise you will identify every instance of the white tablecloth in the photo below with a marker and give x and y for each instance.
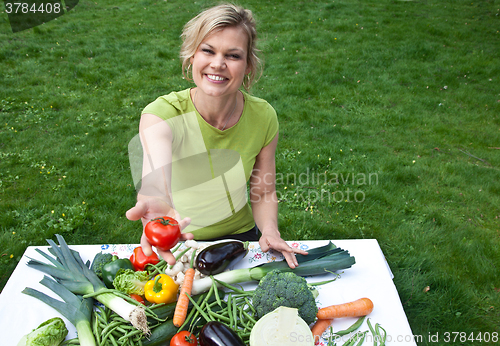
(369, 277)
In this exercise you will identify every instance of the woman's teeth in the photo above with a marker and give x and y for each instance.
(214, 77)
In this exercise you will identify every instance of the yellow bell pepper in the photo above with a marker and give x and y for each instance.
(162, 289)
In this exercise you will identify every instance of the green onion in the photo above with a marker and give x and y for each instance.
(76, 309)
(69, 270)
(321, 260)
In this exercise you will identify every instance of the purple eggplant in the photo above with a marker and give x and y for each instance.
(218, 257)
(216, 333)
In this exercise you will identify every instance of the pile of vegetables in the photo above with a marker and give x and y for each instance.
(146, 301)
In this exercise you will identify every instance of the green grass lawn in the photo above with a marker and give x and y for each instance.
(389, 129)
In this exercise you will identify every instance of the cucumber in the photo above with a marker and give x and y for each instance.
(161, 334)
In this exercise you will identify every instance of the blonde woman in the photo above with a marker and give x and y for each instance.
(209, 150)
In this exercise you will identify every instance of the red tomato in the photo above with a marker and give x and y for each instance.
(138, 298)
(140, 260)
(163, 232)
(184, 338)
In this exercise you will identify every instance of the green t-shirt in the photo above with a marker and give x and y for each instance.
(210, 167)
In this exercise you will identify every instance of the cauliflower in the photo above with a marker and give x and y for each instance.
(285, 289)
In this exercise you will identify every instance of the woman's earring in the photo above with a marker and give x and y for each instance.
(246, 81)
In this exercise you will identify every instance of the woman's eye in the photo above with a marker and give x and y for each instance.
(208, 51)
(234, 56)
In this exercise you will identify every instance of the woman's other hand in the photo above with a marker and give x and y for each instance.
(150, 208)
(274, 241)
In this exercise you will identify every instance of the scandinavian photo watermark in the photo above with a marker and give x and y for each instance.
(313, 187)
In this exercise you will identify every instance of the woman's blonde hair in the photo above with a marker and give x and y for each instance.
(215, 19)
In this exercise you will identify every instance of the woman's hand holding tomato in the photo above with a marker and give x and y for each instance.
(150, 208)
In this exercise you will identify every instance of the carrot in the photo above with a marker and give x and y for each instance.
(360, 307)
(319, 327)
(181, 307)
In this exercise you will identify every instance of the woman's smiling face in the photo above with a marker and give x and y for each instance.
(220, 62)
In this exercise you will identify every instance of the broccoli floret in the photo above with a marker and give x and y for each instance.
(288, 289)
(100, 259)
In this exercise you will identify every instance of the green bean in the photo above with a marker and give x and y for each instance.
(219, 316)
(197, 307)
(230, 308)
(158, 267)
(235, 313)
(373, 332)
(331, 338)
(242, 320)
(190, 315)
(237, 290)
(95, 329)
(113, 341)
(130, 334)
(377, 327)
(352, 328)
(217, 298)
(179, 256)
(250, 305)
(249, 317)
(110, 327)
(362, 338)
(352, 340)
(200, 307)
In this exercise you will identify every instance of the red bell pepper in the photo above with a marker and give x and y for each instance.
(140, 260)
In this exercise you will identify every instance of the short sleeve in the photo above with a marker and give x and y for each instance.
(273, 125)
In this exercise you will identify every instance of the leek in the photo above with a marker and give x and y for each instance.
(76, 309)
(69, 270)
(321, 260)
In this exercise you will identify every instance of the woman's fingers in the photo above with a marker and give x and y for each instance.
(280, 245)
(290, 259)
(184, 223)
(146, 246)
(167, 256)
(136, 212)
